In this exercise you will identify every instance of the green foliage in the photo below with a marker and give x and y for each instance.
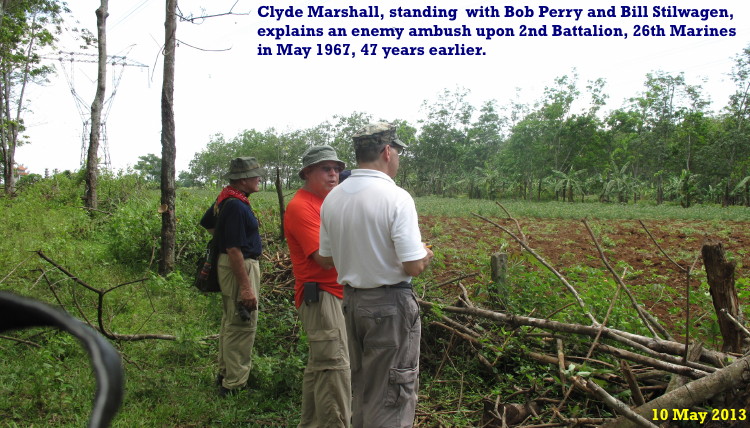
(134, 231)
(149, 167)
(459, 207)
(170, 382)
(28, 27)
(664, 145)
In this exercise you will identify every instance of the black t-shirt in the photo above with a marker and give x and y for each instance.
(239, 227)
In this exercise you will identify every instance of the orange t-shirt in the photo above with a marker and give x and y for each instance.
(302, 231)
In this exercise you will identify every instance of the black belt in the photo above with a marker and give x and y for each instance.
(402, 284)
(255, 257)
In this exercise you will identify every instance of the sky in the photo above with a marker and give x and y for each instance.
(224, 86)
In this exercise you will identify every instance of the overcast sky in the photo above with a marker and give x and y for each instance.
(224, 86)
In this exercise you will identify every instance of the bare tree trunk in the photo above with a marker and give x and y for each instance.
(280, 195)
(168, 143)
(92, 160)
(720, 276)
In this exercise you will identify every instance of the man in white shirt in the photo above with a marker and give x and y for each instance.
(370, 232)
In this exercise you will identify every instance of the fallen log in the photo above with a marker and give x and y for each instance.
(691, 395)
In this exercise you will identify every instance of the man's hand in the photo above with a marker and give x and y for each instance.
(415, 267)
(248, 298)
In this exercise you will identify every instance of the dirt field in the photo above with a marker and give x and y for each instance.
(566, 243)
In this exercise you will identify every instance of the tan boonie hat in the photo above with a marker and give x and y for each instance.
(318, 154)
(244, 167)
(378, 132)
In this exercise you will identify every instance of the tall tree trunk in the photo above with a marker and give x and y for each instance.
(7, 144)
(92, 159)
(168, 143)
(659, 190)
(11, 127)
(280, 195)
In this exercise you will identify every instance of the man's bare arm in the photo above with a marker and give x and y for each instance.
(324, 262)
(247, 292)
(415, 267)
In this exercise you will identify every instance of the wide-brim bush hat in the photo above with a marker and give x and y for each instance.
(244, 167)
(317, 154)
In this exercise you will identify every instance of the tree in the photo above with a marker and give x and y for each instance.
(442, 140)
(168, 143)
(92, 159)
(168, 140)
(149, 167)
(732, 149)
(23, 33)
(666, 101)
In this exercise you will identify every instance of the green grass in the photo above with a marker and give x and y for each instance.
(170, 382)
(460, 207)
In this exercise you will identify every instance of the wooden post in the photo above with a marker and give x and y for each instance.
(499, 267)
(720, 276)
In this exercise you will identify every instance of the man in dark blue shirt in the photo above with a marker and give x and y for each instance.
(235, 227)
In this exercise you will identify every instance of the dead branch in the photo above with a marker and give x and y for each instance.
(687, 272)
(100, 306)
(693, 393)
(25, 342)
(670, 363)
(553, 361)
(518, 225)
(734, 321)
(639, 310)
(16, 267)
(660, 345)
(613, 403)
(635, 390)
(97, 210)
(661, 250)
(525, 246)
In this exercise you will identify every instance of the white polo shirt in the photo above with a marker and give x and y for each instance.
(369, 226)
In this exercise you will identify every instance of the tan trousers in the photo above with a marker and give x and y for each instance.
(326, 386)
(236, 337)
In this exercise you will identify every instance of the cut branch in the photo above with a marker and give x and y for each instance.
(547, 265)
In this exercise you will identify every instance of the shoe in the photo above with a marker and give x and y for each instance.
(219, 379)
(225, 392)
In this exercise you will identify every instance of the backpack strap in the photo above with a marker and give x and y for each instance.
(217, 214)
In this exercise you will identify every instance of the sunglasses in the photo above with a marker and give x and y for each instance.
(328, 169)
(396, 147)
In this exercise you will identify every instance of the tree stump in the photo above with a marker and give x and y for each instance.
(499, 267)
(720, 276)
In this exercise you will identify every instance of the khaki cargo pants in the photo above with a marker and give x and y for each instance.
(326, 386)
(384, 331)
(236, 337)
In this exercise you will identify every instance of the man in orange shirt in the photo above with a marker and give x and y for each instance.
(326, 388)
